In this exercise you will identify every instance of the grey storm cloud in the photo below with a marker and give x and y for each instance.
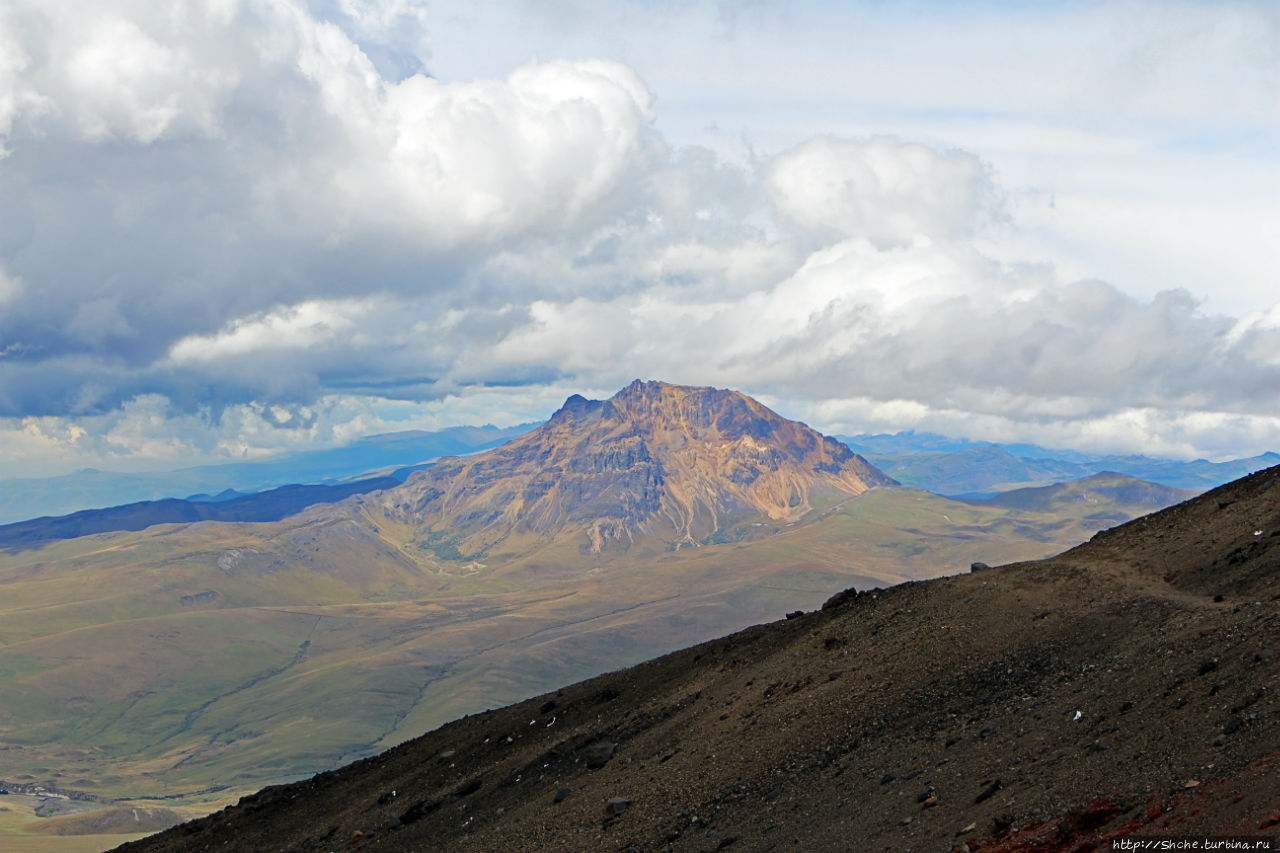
(270, 205)
(167, 175)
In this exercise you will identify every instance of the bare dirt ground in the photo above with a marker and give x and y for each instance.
(1128, 687)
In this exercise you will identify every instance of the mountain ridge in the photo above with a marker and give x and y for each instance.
(679, 463)
(966, 468)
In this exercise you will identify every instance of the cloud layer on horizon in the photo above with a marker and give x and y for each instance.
(259, 224)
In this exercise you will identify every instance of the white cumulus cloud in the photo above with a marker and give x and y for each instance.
(295, 327)
(251, 217)
(881, 189)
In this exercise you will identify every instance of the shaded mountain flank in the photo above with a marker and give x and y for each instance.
(1104, 496)
(1126, 687)
(271, 505)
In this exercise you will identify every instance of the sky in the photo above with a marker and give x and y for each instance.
(230, 228)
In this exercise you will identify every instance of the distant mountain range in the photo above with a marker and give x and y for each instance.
(681, 464)
(27, 498)
(947, 466)
(961, 468)
(196, 660)
(60, 507)
(269, 505)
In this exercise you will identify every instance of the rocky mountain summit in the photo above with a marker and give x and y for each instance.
(189, 664)
(676, 464)
(1125, 688)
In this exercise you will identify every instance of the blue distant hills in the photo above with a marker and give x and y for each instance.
(390, 454)
(963, 468)
(91, 501)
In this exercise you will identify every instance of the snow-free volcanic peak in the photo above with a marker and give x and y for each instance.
(682, 465)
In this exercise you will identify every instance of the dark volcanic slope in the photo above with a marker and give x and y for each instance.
(1127, 686)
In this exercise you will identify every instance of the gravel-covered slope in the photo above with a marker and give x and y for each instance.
(1128, 686)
